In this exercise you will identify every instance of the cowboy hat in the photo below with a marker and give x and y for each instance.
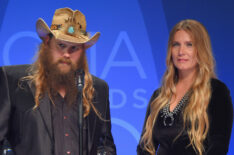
(67, 25)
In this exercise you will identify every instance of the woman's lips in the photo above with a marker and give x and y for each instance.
(182, 60)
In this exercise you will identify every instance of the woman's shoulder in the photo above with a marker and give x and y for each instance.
(155, 94)
(220, 97)
(217, 84)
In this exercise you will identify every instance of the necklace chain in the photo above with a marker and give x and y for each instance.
(168, 117)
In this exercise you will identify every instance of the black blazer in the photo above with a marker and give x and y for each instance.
(29, 131)
(220, 113)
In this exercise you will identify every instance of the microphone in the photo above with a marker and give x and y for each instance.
(79, 76)
(80, 79)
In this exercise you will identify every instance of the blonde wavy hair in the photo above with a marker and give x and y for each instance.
(37, 77)
(195, 116)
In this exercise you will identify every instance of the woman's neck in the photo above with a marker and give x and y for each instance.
(186, 78)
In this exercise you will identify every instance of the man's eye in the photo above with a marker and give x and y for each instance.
(75, 48)
(61, 45)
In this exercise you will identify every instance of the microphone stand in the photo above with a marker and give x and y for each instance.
(80, 85)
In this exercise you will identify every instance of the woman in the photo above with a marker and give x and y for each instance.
(191, 113)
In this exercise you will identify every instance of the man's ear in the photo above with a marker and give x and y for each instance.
(46, 40)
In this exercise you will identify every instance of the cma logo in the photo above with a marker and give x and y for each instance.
(111, 62)
(119, 97)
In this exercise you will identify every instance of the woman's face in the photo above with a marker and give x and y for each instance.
(183, 52)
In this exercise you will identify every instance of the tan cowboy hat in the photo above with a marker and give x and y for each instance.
(67, 25)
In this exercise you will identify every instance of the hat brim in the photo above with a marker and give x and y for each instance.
(43, 30)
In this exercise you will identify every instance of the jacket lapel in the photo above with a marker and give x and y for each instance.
(44, 110)
(91, 128)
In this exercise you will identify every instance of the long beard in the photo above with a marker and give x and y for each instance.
(56, 77)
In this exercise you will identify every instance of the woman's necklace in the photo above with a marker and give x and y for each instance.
(168, 117)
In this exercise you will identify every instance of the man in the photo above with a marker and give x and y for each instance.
(39, 103)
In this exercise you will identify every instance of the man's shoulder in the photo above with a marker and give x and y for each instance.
(98, 82)
(15, 70)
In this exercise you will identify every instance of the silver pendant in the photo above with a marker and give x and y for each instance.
(171, 121)
(168, 117)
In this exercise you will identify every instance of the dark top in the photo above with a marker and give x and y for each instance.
(65, 127)
(30, 131)
(220, 113)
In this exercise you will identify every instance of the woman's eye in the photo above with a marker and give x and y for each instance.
(189, 44)
(175, 44)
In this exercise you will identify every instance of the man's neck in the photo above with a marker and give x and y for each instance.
(62, 91)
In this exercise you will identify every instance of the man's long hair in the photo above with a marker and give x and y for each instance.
(38, 77)
(195, 115)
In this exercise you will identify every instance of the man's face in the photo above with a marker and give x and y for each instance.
(66, 56)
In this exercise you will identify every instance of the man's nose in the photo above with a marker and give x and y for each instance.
(66, 53)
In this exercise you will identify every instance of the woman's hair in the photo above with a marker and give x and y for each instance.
(195, 116)
(38, 78)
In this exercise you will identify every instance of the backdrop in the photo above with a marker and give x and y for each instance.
(130, 54)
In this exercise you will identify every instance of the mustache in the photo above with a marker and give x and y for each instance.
(64, 60)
